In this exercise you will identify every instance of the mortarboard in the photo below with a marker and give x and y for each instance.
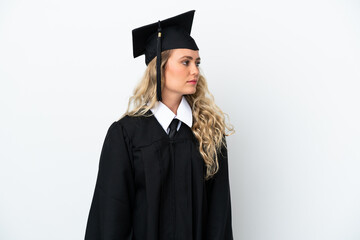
(168, 34)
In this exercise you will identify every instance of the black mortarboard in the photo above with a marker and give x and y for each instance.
(168, 34)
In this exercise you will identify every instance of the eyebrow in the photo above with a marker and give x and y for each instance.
(190, 57)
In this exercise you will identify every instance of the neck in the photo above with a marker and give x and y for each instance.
(172, 102)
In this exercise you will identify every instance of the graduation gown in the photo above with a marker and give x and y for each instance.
(151, 187)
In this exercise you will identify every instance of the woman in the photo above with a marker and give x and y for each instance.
(163, 171)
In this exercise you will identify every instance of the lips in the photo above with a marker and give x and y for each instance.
(192, 81)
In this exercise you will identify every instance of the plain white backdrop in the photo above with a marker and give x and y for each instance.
(286, 72)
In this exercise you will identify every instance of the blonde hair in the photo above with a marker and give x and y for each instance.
(209, 121)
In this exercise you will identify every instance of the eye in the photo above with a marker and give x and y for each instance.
(186, 62)
(198, 64)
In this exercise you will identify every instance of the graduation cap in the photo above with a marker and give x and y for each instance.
(168, 34)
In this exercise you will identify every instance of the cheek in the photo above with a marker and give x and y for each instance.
(178, 71)
(174, 75)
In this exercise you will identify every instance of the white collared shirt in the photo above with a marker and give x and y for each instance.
(164, 115)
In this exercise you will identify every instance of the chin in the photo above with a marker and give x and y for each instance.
(193, 90)
(190, 92)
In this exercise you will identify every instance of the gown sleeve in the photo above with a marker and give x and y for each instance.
(110, 215)
(219, 223)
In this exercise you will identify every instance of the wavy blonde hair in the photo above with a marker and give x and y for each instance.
(209, 121)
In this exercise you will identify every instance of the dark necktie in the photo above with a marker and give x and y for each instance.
(173, 126)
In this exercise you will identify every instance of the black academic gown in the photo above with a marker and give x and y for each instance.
(152, 188)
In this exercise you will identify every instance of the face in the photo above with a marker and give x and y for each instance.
(181, 73)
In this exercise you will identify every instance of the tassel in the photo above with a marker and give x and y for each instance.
(158, 64)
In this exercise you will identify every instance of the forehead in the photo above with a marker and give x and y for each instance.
(181, 52)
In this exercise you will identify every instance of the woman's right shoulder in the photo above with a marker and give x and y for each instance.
(128, 120)
(131, 123)
(124, 125)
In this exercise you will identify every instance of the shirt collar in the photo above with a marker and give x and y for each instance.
(164, 115)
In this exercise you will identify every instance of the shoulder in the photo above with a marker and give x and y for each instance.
(123, 128)
(131, 123)
(133, 127)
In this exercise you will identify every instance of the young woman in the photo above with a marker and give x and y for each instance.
(163, 171)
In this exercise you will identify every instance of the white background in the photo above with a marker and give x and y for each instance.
(286, 72)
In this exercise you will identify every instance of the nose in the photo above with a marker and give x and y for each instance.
(194, 70)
